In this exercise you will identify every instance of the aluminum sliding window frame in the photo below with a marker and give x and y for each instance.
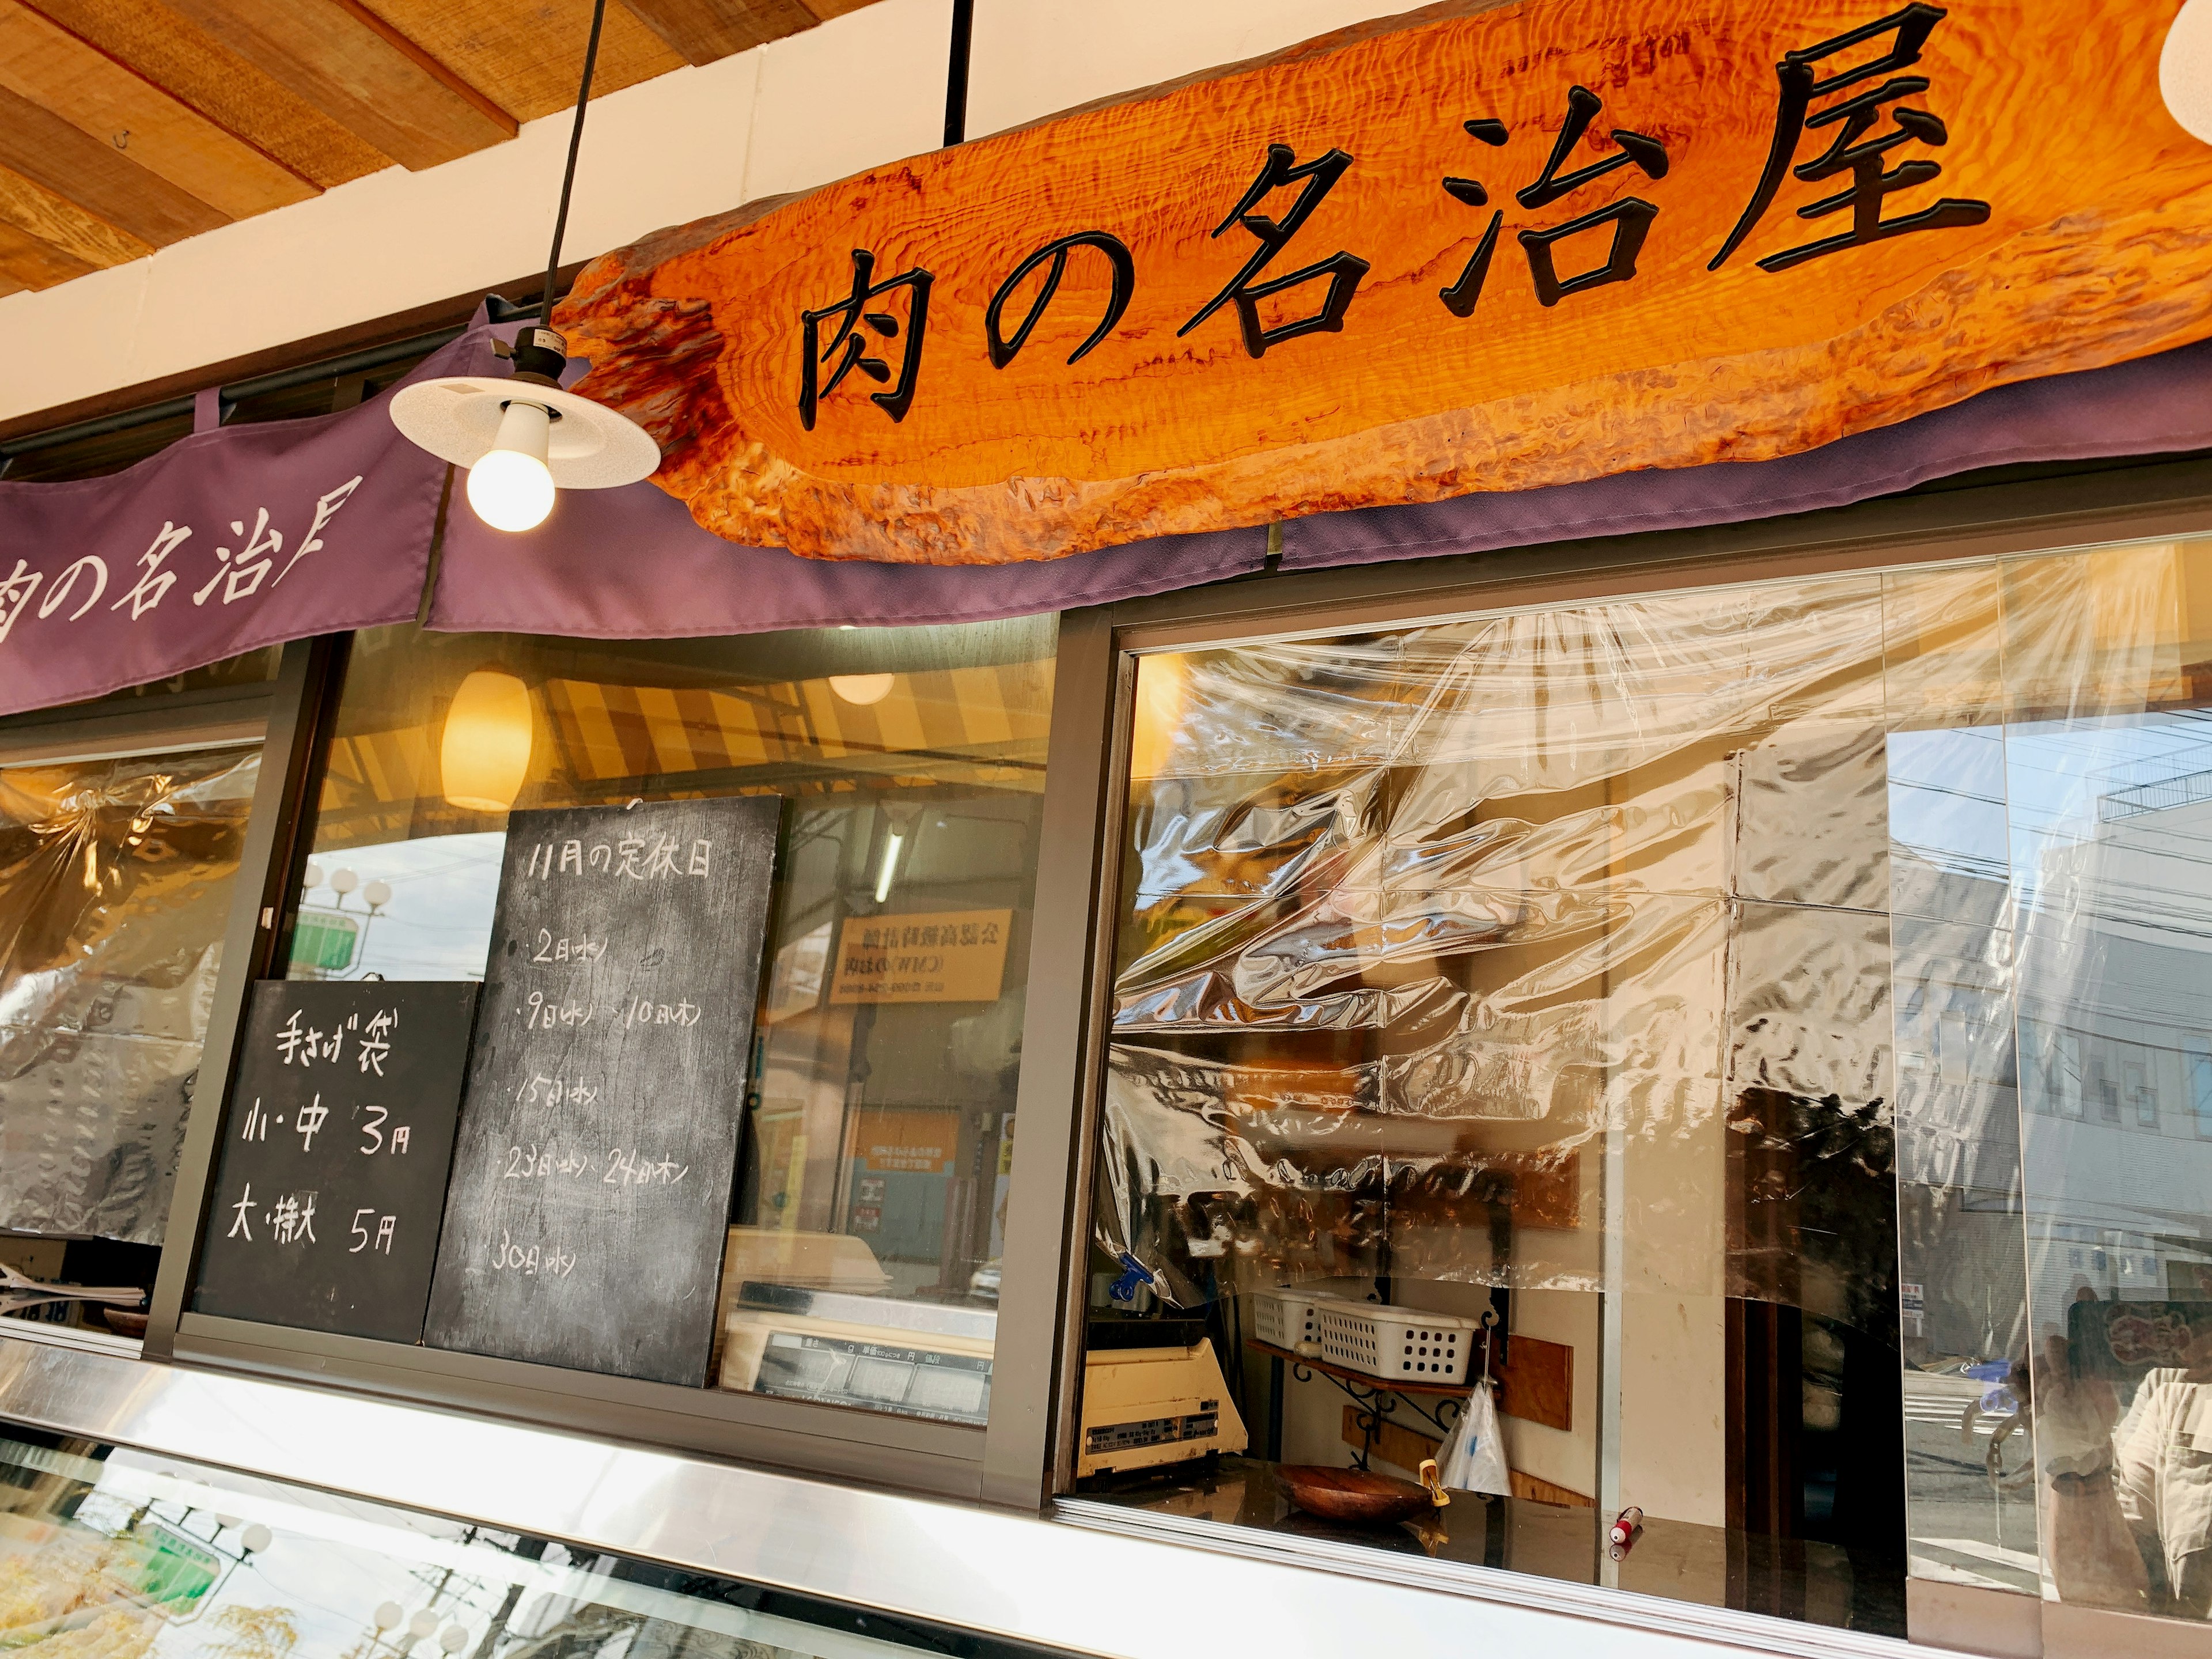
(1006, 1461)
(2151, 502)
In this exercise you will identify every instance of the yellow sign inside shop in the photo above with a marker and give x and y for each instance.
(1483, 247)
(945, 956)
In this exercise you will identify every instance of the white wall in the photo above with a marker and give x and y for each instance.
(867, 89)
(1036, 57)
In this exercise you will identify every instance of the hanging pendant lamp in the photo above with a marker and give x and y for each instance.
(2184, 69)
(522, 438)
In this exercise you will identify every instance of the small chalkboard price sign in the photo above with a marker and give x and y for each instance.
(599, 1138)
(336, 1148)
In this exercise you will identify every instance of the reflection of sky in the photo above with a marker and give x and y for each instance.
(438, 924)
(2033, 799)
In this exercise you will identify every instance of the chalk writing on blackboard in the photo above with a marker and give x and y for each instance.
(334, 1155)
(598, 1145)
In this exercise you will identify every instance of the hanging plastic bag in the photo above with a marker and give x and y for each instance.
(1474, 1456)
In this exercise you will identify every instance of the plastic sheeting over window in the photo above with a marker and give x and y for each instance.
(1418, 919)
(1839, 946)
(115, 885)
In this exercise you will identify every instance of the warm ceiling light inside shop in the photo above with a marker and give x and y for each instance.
(484, 756)
(863, 690)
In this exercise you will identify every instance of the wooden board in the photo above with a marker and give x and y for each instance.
(335, 1145)
(591, 1191)
(2084, 240)
(1405, 1448)
(1537, 1382)
(1545, 1491)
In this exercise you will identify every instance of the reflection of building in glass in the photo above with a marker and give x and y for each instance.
(2116, 1046)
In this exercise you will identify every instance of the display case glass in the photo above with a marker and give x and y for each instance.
(111, 1554)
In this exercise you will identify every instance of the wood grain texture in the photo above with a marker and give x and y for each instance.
(345, 60)
(61, 223)
(2096, 251)
(43, 62)
(1537, 1382)
(705, 30)
(1395, 1443)
(1545, 1491)
(174, 54)
(526, 58)
(26, 261)
(96, 176)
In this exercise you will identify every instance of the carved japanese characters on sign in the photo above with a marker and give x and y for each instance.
(1483, 247)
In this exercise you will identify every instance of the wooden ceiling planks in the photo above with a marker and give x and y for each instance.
(56, 220)
(180, 60)
(51, 67)
(526, 54)
(704, 30)
(129, 125)
(342, 59)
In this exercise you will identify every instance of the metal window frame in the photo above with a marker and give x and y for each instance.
(1004, 1462)
(2153, 500)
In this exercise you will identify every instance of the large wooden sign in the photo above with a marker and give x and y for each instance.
(1484, 247)
(591, 1194)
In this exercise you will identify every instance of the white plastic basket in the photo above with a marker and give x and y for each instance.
(1397, 1345)
(1285, 1317)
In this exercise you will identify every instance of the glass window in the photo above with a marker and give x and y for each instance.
(862, 1265)
(110, 1554)
(1697, 1055)
(115, 890)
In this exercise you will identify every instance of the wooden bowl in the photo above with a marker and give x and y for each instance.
(123, 1322)
(1351, 1495)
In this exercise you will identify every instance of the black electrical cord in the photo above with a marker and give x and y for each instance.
(569, 174)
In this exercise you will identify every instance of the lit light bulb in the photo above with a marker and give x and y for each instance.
(511, 488)
(863, 688)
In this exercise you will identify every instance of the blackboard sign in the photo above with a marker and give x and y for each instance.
(591, 1191)
(336, 1148)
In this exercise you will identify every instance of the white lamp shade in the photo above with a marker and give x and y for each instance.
(388, 1615)
(255, 1538)
(376, 893)
(344, 882)
(423, 1623)
(2184, 69)
(459, 419)
(453, 1637)
(863, 688)
(484, 755)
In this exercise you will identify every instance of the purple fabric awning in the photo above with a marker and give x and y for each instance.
(237, 538)
(230, 539)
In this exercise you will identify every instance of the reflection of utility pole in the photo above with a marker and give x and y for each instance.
(529, 1549)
